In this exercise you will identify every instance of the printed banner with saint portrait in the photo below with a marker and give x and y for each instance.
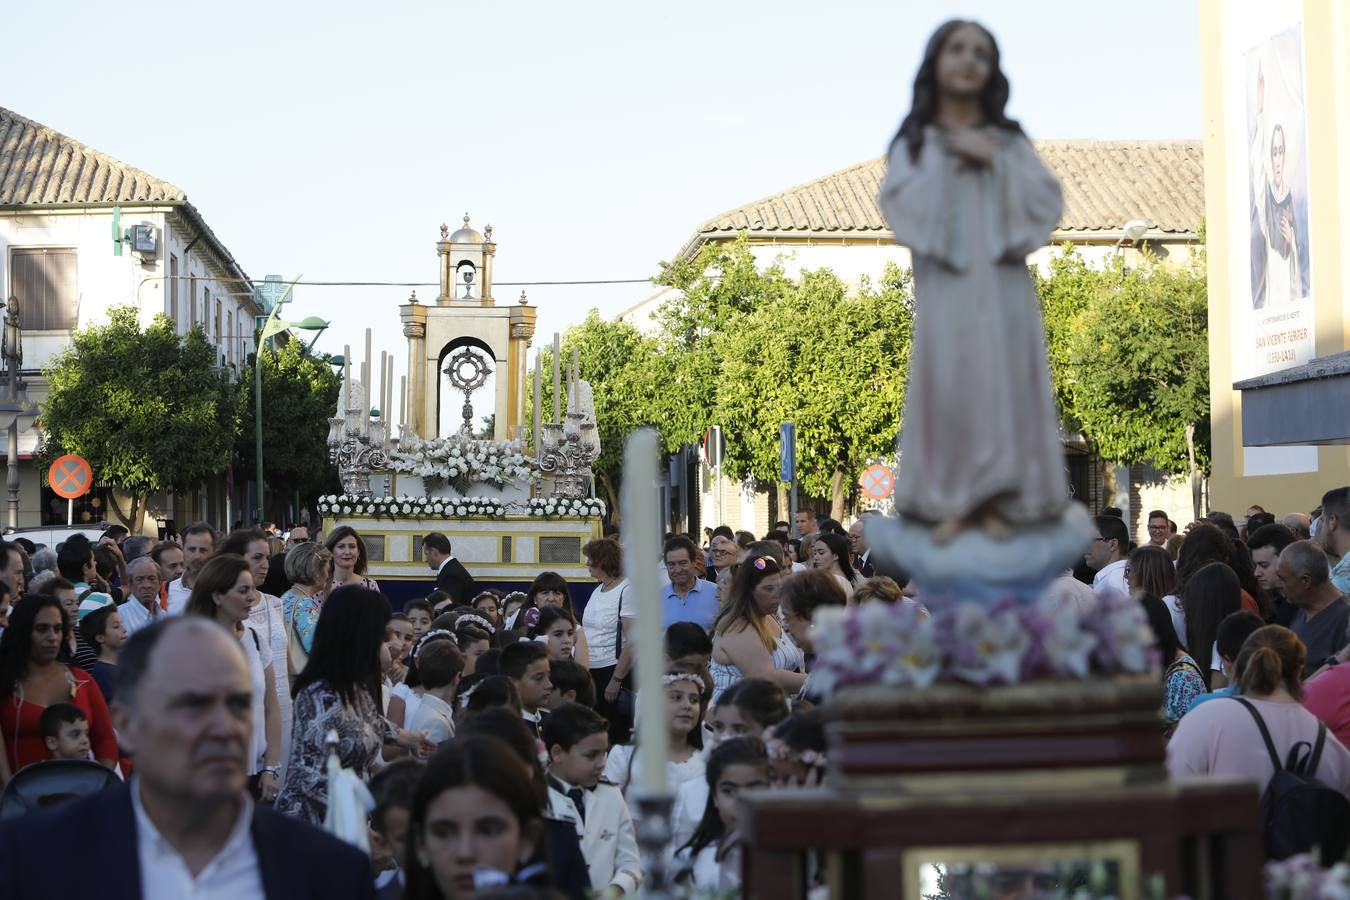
(1272, 302)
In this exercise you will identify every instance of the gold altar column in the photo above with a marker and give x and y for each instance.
(414, 317)
(517, 364)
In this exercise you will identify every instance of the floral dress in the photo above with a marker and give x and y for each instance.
(302, 615)
(362, 732)
(1182, 683)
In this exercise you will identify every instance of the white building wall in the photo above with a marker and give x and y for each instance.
(103, 281)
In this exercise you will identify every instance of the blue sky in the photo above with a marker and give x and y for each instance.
(333, 141)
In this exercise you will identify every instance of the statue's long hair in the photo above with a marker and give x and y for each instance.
(923, 112)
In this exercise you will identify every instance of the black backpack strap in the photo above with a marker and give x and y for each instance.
(1265, 734)
(1316, 756)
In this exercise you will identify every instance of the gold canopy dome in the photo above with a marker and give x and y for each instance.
(466, 235)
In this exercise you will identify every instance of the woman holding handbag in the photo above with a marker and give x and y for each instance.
(608, 617)
(309, 566)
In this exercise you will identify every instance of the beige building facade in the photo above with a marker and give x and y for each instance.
(1277, 134)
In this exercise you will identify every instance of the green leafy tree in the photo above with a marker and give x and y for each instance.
(1138, 367)
(299, 394)
(721, 284)
(617, 361)
(148, 409)
(1065, 293)
(832, 363)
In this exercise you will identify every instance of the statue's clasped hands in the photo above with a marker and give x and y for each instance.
(975, 146)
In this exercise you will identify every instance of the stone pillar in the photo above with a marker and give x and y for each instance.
(414, 317)
(489, 251)
(517, 364)
(447, 273)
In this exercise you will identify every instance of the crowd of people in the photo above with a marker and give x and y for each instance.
(215, 674)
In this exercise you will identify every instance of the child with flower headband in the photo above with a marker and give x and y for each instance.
(748, 708)
(404, 698)
(796, 749)
(684, 735)
(710, 859)
(556, 628)
(489, 605)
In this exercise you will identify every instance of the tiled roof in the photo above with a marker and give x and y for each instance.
(42, 167)
(39, 166)
(1106, 184)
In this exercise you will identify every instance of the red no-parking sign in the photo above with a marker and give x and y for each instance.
(70, 477)
(877, 482)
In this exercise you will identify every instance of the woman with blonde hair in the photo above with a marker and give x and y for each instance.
(747, 637)
(309, 566)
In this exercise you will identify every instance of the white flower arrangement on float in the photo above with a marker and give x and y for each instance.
(982, 644)
(412, 507)
(1301, 877)
(564, 508)
(459, 462)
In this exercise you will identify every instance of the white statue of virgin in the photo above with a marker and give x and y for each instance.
(981, 459)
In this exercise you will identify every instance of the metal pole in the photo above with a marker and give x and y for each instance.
(12, 469)
(12, 446)
(257, 425)
(70, 512)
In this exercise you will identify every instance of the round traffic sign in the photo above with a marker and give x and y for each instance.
(70, 477)
(877, 482)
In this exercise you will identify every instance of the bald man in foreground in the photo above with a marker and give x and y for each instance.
(184, 826)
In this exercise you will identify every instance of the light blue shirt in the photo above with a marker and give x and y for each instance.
(698, 606)
(1340, 574)
(1230, 691)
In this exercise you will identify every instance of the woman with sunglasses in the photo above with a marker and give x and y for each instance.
(748, 639)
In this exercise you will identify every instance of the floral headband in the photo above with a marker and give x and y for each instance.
(779, 750)
(464, 697)
(673, 677)
(475, 619)
(424, 639)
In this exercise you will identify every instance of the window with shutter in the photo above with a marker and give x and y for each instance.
(43, 279)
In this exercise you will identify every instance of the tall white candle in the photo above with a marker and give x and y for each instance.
(387, 411)
(384, 385)
(557, 377)
(538, 399)
(366, 380)
(639, 501)
(346, 380)
(403, 400)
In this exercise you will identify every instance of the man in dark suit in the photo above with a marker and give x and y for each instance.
(862, 552)
(451, 576)
(184, 825)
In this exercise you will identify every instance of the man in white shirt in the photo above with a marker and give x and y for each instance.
(199, 545)
(185, 825)
(1107, 554)
(439, 665)
(142, 608)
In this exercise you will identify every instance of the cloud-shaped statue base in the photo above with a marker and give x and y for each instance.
(976, 567)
